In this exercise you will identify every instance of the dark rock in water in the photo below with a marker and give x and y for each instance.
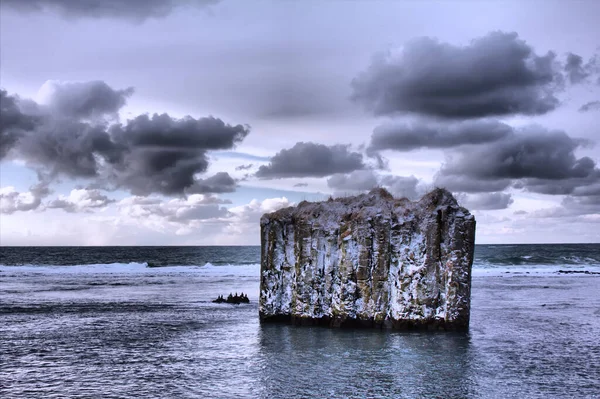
(233, 299)
(577, 272)
(369, 261)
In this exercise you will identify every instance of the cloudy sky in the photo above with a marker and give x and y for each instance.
(166, 122)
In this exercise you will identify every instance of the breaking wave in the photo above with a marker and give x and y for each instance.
(542, 259)
(243, 270)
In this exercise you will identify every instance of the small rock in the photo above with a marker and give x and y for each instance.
(233, 299)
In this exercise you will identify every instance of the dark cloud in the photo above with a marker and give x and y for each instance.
(534, 159)
(301, 185)
(574, 68)
(365, 180)
(571, 206)
(469, 184)
(85, 99)
(165, 131)
(487, 201)
(244, 167)
(536, 153)
(162, 154)
(147, 154)
(578, 72)
(591, 106)
(559, 187)
(498, 74)
(68, 148)
(311, 160)
(585, 201)
(219, 183)
(138, 10)
(13, 122)
(405, 137)
(592, 189)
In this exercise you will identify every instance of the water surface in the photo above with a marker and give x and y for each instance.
(113, 330)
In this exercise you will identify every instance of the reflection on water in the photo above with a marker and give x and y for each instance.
(320, 362)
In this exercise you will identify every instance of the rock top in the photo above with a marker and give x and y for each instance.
(370, 260)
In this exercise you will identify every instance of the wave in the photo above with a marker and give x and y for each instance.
(208, 269)
(534, 270)
(253, 270)
(535, 259)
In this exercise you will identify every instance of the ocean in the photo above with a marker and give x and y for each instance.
(119, 322)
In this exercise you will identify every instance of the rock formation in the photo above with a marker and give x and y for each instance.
(369, 260)
(233, 299)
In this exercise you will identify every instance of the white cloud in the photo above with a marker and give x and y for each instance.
(199, 218)
(12, 201)
(80, 200)
(179, 215)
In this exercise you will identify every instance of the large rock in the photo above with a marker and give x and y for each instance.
(369, 260)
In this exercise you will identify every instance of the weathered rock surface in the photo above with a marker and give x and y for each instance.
(369, 260)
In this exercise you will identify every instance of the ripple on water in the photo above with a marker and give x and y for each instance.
(168, 340)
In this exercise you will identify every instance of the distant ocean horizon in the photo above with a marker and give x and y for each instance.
(488, 258)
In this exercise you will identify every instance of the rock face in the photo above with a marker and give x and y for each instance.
(369, 260)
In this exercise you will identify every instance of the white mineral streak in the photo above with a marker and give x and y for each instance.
(369, 260)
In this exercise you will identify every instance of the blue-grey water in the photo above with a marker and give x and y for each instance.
(139, 322)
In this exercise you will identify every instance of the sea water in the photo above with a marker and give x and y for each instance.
(117, 322)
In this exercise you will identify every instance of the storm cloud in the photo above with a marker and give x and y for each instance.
(533, 158)
(137, 10)
(221, 182)
(162, 154)
(406, 137)
(487, 201)
(13, 122)
(311, 160)
(497, 74)
(146, 154)
(469, 184)
(83, 100)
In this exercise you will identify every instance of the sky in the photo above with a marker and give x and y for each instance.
(166, 122)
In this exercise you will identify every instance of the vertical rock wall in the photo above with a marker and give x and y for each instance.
(369, 260)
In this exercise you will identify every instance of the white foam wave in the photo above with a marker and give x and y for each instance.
(253, 270)
(246, 270)
(533, 270)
